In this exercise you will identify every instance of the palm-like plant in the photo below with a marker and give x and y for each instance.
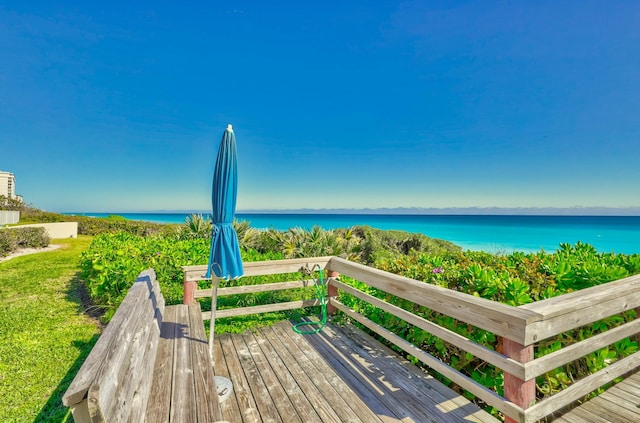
(196, 226)
(248, 237)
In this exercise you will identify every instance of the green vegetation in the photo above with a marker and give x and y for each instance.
(13, 239)
(10, 204)
(44, 334)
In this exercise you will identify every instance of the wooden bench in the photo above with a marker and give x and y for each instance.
(150, 364)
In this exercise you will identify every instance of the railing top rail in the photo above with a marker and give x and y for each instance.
(579, 308)
(585, 298)
(257, 268)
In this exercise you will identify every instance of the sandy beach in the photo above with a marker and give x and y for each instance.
(25, 251)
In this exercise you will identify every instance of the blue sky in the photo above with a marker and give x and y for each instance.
(120, 106)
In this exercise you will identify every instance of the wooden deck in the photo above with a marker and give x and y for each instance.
(619, 404)
(342, 375)
(339, 375)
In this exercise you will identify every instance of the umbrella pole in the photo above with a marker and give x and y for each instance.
(223, 385)
(214, 302)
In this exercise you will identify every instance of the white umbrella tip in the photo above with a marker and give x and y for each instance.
(229, 127)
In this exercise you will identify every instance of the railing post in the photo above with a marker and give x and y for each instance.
(332, 292)
(516, 390)
(189, 288)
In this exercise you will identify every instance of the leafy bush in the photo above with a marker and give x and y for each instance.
(378, 244)
(94, 226)
(113, 261)
(15, 238)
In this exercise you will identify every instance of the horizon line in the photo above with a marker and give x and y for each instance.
(476, 210)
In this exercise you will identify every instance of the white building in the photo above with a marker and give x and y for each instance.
(7, 184)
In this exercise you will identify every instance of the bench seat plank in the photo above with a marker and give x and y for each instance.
(158, 409)
(183, 380)
(142, 396)
(183, 390)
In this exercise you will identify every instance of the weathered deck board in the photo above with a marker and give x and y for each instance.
(290, 386)
(241, 391)
(339, 375)
(230, 406)
(409, 380)
(620, 404)
(347, 403)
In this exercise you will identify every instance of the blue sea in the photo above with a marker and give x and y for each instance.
(491, 233)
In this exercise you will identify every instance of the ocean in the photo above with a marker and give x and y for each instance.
(491, 233)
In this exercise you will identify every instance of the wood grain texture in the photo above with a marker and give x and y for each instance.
(249, 289)
(229, 407)
(575, 309)
(114, 384)
(242, 311)
(257, 268)
(77, 391)
(183, 389)
(158, 409)
(206, 396)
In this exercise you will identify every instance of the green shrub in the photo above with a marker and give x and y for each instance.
(94, 226)
(15, 238)
(113, 261)
(7, 242)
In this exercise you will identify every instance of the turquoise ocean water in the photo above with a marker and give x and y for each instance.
(495, 234)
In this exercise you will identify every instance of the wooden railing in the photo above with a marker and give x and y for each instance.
(520, 327)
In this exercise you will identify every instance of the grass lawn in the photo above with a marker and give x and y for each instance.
(44, 334)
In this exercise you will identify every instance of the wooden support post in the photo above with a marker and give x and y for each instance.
(516, 390)
(189, 289)
(332, 292)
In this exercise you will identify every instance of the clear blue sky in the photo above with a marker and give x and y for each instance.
(120, 106)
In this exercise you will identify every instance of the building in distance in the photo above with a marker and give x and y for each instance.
(7, 184)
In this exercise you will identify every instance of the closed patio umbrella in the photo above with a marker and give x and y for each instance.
(224, 258)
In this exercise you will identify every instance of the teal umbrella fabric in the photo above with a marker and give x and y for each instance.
(224, 259)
